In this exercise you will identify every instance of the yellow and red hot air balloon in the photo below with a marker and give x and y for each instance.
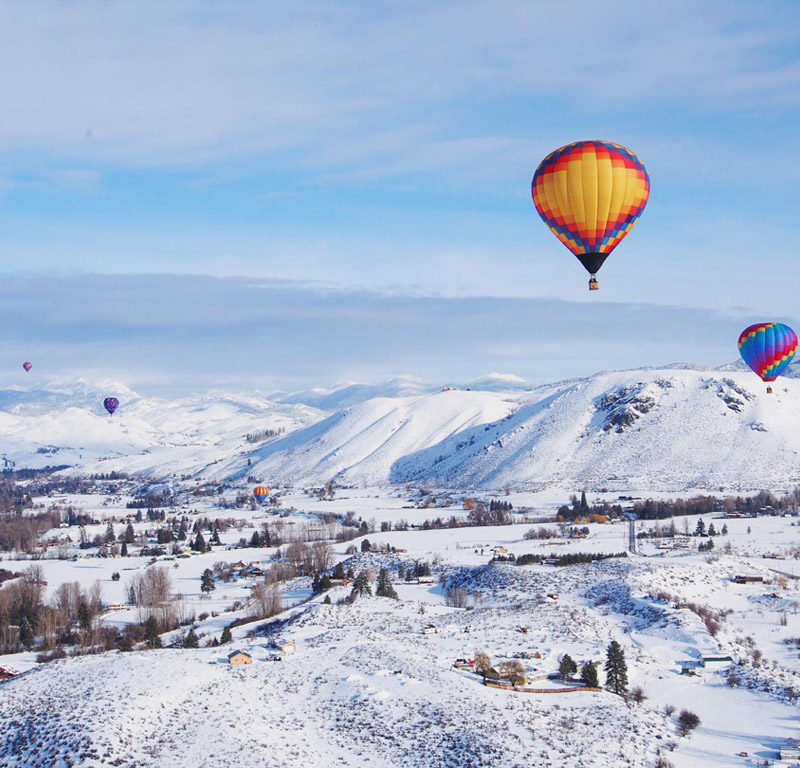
(590, 194)
(261, 493)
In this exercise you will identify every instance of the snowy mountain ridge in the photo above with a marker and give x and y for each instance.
(673, 428)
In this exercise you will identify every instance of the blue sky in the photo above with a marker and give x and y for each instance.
(390, 147)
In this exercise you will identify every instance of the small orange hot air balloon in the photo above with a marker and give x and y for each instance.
(590, 194)
(261, 493)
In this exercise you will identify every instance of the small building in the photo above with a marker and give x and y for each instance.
(239, 657)
(290, 646)
(790, 750)
(748, 579)
(426, 580)
(6, 673)
(429, 630)
(716, 661)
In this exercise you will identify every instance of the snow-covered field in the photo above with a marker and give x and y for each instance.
(367, 687)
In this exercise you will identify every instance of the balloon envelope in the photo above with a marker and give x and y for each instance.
(111, 404)
(590, 194)
(27, 366)
(261, 493)
(768, 348)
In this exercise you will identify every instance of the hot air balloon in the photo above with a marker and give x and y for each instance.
(261, 493)
(27, 367)
(768, 348)
(111, 404)
(590, 194)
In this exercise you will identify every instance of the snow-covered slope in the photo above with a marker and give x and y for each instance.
(669, 429)
(64, 423)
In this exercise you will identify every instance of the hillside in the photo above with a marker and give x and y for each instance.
(670, 429)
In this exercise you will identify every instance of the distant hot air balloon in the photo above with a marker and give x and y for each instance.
(768, 348)
(27, 366)
(111, 404)
(261, 493)
(590, 194)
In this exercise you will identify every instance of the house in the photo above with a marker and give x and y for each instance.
(747, 579)
(715, 662)
(426, 580)
(6, 673)
(239, 657)
(429, 629)
(290, 646)
(790, 750)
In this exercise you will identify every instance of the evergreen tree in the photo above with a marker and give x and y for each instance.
(129, 534)
(584, 503)
(124, 550)
(361, 585)
(363, 528)
(327, 600)
(567, 667)
(110, 537)
(589, 675)
(26, 636)
(199, 544)
(616, 668)
(226, 636)
(182, 531)
(383, 587)
(255, 540)
(700, 529)
(191, 640)
(151, 636)
(401, 573)
(724, 529)
(366, 546)
(207, 581)
(712, 531)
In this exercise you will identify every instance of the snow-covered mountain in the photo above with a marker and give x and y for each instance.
(64, 423)
(673, 429)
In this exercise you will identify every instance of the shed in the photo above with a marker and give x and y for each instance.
(240, 657)
(290, 646)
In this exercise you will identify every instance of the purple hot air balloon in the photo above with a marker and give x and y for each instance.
(111, 404)
(27, 366)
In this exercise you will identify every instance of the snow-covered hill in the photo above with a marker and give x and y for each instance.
(672, 429)
(64, 423)
(668, 429)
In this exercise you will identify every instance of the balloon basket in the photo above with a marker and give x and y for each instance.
(769, 390)
(593, 284)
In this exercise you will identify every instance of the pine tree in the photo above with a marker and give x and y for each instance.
(207, 581)
(327, 600)
(361, 585)
(724, 529)
(383, 587)
(151, 636)
(616, 668)
(589, 675)
(124, 550)
(700, 529)
(366, 546)
(712, 531)
(191, 640)
(567, 666)
(110, 536)
(338, 571)
(26, 635)
(255, 540)
(199, 544)
(226, 635)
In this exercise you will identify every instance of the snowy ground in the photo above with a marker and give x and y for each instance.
(366, 687)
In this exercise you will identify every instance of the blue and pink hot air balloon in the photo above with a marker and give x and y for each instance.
(27, 366)
(111, 404)
(768, 348)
